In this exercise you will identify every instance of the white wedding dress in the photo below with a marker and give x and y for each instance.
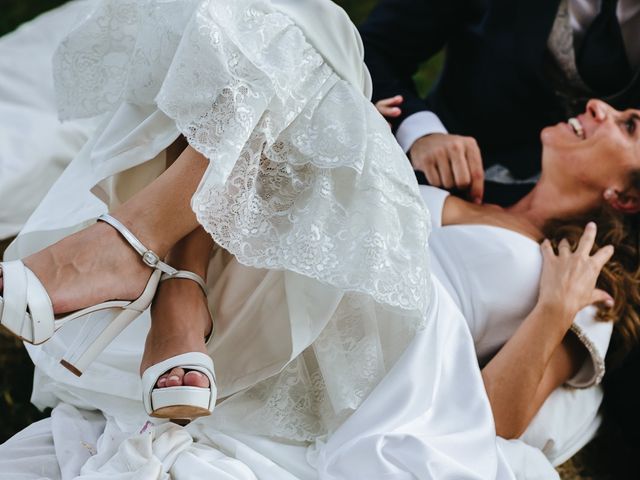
(492, 274)
(327, 308)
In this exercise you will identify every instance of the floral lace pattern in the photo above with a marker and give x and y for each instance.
(304, 175)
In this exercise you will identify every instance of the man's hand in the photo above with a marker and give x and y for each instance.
(450, 161)
(390, 107)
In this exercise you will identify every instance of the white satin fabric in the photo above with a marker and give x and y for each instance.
(428, 419)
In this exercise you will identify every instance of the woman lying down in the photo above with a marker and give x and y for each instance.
(315, 378)
(524, 278)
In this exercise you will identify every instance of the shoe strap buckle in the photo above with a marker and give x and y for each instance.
(150, 258)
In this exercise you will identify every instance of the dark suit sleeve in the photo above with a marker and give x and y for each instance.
(398, 36)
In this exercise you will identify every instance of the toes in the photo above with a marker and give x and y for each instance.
(196, 379)
(177, 377)
(174, 378)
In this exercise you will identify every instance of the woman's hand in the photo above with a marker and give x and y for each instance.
(568, 281)
(540, 357)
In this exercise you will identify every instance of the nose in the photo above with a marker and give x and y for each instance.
(601, 111)
(598, 110)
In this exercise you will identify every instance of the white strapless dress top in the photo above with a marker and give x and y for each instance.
(493, 275)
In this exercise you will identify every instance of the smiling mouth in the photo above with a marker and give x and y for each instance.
(578, 129)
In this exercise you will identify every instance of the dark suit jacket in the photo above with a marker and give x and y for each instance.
(493, 86)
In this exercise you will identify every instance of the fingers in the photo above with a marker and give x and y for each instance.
(547, 249)
(389, 107)
(587, 239)
(466, 171)
(564, 248)
(569, 277)
(602, 256)
(476, 172)
(446, 174)
(585, 245)
(459, 166)
(431, 172)
(390, 112)
(390, 102)
(450, 161)
(600, 296)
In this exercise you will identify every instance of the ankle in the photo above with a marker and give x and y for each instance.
(180, 307)
(150, 237)
(188, 262)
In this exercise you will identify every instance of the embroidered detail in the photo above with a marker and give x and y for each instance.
(596, 358)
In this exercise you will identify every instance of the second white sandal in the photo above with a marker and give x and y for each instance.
(184, 402)
(179, 403)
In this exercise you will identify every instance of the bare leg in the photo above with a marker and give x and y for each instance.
(97, 265)
(180, 314)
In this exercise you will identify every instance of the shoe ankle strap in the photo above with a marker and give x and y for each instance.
(149, 257)
(186, 275)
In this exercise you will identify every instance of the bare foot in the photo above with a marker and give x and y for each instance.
(181, 321)
(89, 267)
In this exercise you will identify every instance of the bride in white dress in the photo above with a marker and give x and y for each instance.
(372, 314)
(541, 366)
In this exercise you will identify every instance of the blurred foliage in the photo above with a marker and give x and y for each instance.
(15, 12)
(428, 72)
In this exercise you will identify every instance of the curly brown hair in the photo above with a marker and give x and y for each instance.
(620, 277)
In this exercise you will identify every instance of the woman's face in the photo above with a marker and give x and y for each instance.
(598, 149)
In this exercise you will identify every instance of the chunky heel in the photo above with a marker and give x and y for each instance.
(94, 337)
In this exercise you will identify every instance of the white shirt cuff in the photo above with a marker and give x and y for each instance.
(418, 125)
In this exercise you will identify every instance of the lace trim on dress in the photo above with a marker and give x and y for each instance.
(300, 175)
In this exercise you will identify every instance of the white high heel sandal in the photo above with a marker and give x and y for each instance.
(184, 402)
(27, 312)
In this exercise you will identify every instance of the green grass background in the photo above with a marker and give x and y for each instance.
(607, 458)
